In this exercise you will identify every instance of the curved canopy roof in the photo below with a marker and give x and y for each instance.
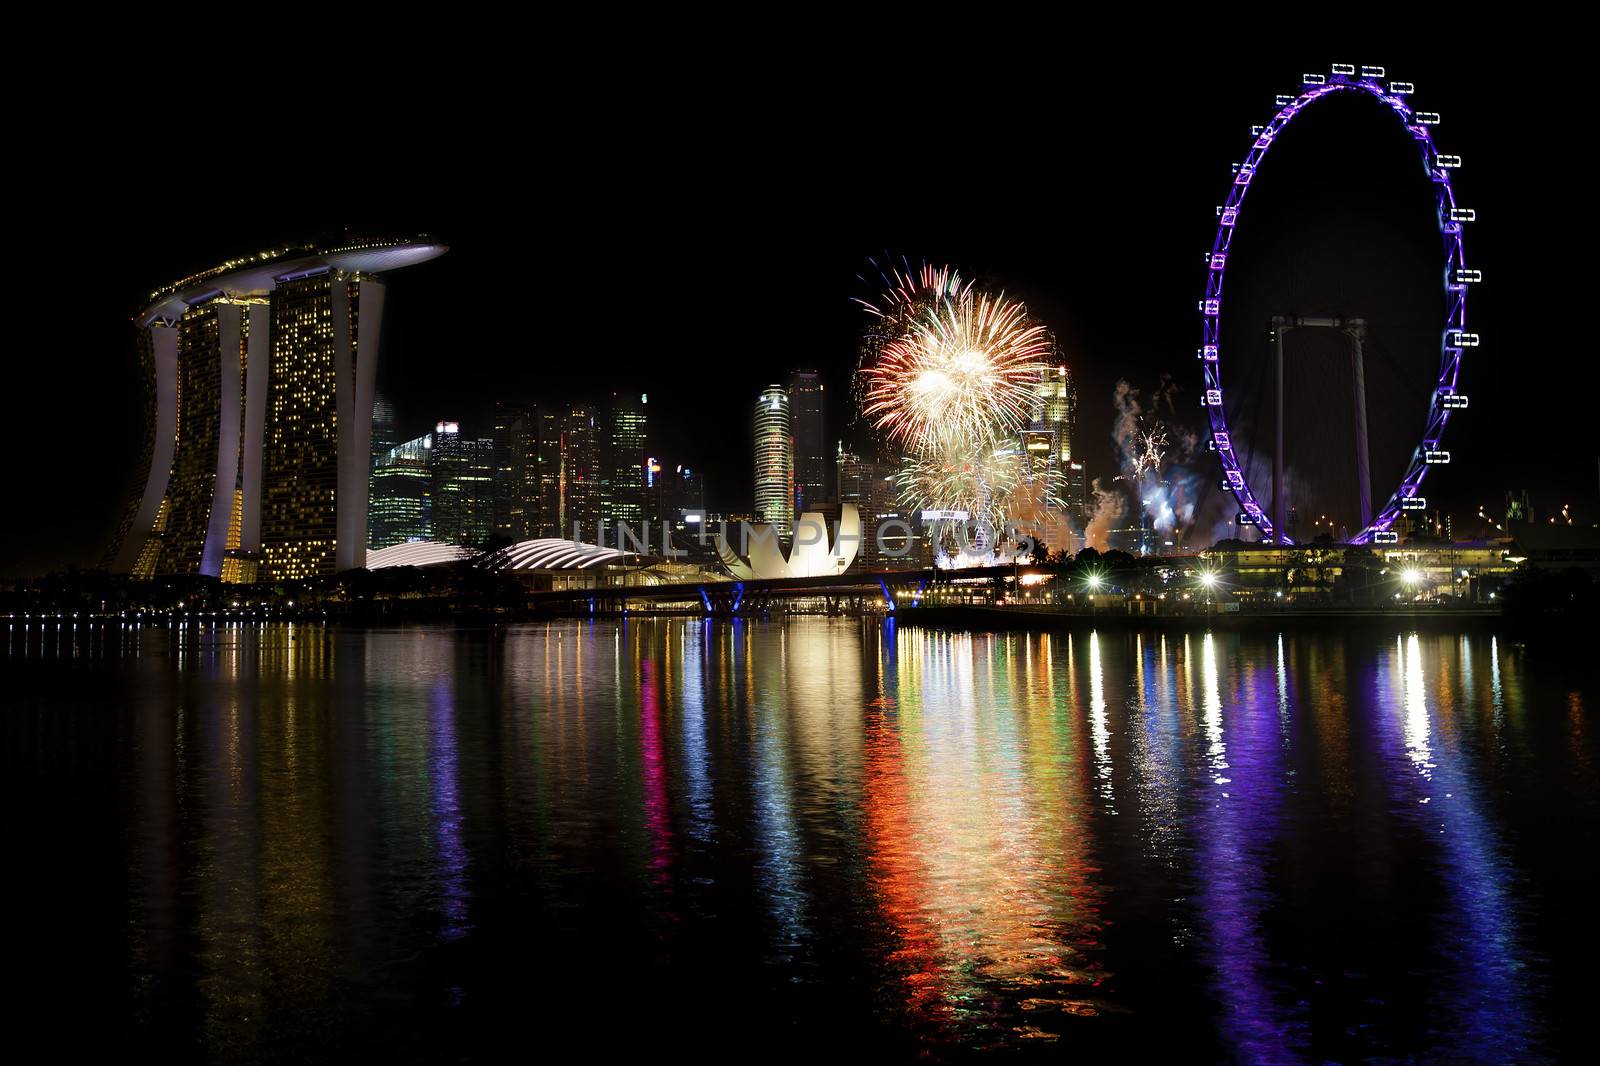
(554, 553)
(263, 271)
(416, 553)
(545, 553)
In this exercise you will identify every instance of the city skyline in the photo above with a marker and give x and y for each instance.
(1116, 285)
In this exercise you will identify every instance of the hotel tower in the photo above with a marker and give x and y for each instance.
(259, 377)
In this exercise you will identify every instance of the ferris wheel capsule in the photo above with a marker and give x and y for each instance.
(1435, 457)
(1401, 88)
(1413, 503)
(1313, 79)
(1386, 536)
(1372, 73)
(1346, 69)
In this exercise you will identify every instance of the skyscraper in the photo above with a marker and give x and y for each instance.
(774, 466)
(582, 466)
(870, 486)
(1056, 407)
(550, 421)
(1075, 494)
(516, 460)
(464, 496)
(261, 376)
(401, 505)
(1059, 493)
(384, 435)
(626, 462)
(813, 466)
(203, 470)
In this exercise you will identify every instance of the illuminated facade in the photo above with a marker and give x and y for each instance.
(759, 556)
(1051, 502)
(581, 482)
(1047, 441)
(627, 462)
(401, 507)
(774, 470)
(259, 382)
(464, 486)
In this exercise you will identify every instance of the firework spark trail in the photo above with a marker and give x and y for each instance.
(957, 479)
(963, 376)
(1154, 455)
(909, 291)
(906, 294)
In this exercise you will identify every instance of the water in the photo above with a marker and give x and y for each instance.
(773, 839)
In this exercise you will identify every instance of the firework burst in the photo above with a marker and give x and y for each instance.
(903, 295)
(909, 291)
(953, 477)
(962, 376)
(1149, 453)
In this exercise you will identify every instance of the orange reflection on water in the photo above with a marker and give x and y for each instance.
(978, 793)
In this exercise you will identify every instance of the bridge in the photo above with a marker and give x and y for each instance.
(894, 588)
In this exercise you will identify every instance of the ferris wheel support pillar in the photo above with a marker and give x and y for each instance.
(1281, 324)
(1356, 330)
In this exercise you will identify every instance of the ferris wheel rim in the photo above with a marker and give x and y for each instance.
(1453, 339)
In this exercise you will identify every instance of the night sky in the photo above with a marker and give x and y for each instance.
(695, 232)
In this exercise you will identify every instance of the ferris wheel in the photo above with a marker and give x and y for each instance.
(1454, 338)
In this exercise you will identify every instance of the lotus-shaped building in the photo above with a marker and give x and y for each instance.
(760, 556)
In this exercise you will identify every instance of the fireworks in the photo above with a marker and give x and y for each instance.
(1153, 454)
(909, 292)
(1149, 453)
(955, 479)
(948, 376)
(963, 376)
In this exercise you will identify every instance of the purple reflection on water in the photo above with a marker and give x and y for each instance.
(1239, 818)
(695, 644)
(445, 795)
(1485, 992)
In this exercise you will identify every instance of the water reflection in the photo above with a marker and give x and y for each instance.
(1288, 846)
(977, 792)
(1481, 983)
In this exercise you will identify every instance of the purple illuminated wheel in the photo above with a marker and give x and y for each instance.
(1445, 398)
